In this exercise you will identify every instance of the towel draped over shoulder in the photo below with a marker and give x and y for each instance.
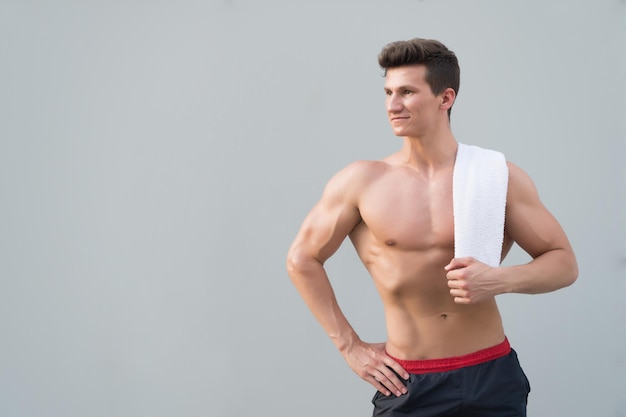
(479, 188)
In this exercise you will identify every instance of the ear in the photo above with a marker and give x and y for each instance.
(447, 99)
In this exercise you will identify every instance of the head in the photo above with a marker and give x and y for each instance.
(442, 66)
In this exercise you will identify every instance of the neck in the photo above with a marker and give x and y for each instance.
(429, 154)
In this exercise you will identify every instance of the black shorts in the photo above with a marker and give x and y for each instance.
(496, 388)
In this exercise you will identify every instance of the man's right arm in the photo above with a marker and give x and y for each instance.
(321, 234)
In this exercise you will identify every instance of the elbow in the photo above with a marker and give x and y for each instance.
(572, 272)
(292, 264)
(297, 263)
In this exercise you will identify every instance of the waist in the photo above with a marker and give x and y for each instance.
(424, 366)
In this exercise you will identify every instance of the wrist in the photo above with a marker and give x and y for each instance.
(346, 342)
(507, 286)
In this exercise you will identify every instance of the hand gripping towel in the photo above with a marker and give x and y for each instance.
(479, 186)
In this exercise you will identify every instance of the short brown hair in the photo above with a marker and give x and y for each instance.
(442, 66)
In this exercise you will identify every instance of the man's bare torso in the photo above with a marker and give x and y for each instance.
(405, 239)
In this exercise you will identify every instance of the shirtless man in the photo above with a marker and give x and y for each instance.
(443, 325)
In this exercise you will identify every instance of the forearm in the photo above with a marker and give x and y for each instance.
(548, 272)
(311, 281)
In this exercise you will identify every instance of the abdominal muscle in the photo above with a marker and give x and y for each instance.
(423, 321)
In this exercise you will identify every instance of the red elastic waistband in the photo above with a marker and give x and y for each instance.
(455, 362)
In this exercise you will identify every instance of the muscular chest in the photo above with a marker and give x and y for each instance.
(410, 212)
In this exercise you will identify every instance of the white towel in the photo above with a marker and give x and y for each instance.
(479, 187)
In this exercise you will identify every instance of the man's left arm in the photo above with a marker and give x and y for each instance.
(531, 225)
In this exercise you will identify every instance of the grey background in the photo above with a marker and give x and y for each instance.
(157, 158)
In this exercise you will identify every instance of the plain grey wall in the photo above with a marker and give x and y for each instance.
(157, 158)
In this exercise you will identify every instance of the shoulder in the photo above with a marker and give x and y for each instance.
(358, 173)
(347, 185)
(521, 186)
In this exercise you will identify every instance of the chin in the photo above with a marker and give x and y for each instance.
(402, 133)
(399, 132)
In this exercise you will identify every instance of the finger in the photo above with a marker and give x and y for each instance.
(456, 274)
(389, 386)
(460, 296)
(462, 300)
(450, 265)
(458, 284)
(455, 263)
(457, 292)
(394, 371)
(393, 383)
(379, 386)
(395, 366)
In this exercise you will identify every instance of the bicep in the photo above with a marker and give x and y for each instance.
(528, 222)
(327, 224)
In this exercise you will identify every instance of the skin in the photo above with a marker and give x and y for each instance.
(398, 214)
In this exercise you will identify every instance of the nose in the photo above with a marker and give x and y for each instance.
(394, 104)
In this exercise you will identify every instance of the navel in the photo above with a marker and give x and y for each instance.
(443, 316)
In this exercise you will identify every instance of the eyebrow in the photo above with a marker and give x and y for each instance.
(401, 87)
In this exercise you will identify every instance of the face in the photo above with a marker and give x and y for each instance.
(412, 108)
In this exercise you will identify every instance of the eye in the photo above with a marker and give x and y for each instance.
(387, 92)
(407, 92)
